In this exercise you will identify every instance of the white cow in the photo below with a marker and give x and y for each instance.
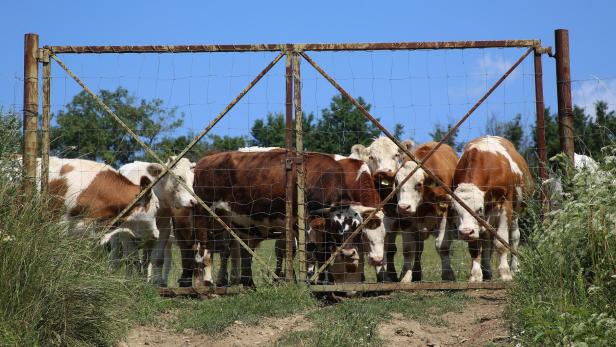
(171, 196)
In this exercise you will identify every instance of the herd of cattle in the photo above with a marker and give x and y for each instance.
(246, 189)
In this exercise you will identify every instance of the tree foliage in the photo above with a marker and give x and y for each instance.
(342, 125)
(85, 130)
(439, 133)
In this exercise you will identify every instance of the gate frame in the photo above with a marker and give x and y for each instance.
(294, 160)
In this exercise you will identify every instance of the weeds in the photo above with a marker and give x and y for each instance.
(565, 293)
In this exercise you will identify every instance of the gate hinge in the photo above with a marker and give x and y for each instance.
(43, 55)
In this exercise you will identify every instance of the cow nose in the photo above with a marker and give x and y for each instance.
(349, 253)
(376, 260)
(404, 208)
(465, 233)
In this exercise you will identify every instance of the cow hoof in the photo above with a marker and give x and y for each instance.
(448, 277)
(185, 282)
(506, 278)
(487, 275)
(475, 279)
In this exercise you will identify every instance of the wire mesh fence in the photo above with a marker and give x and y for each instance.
(326, 164)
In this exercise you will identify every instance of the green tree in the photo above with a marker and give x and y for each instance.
(271, 131)
(341, 126)
(398, 131)
(439, 133)
(511, 130)
(83, 129)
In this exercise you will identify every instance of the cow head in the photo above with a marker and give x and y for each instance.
(141, 220)
(468, 227)
(384, 159)
(169, 190)
(411, 193)
(343, 220)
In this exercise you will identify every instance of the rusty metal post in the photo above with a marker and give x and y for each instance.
(540, 128)
(30, 121)
(289, 163)
(45, 138)
(301, 174)
(563, 92)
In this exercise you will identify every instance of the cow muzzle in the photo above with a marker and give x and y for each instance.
(376, 260)
(406, 209)
(467, 234)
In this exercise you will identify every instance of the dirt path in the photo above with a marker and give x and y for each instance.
(238, 334)
(480, 323)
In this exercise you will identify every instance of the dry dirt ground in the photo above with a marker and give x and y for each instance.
(481, 323)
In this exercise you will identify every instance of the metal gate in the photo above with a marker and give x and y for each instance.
(293, 55)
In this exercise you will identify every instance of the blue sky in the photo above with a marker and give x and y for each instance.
(418, 89)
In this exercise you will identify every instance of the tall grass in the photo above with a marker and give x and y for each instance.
(566, 291)
(56, 289)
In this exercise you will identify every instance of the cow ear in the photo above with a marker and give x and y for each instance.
(408, 144)
(317, 223)
(144, 182)
(154, 169)
(496, 195)
(358, 150)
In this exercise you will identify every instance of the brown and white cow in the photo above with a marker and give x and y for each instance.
(425, 204)
(361, 189)
(384, 158)
(172, 196)
(248, 190)
(89, 191)
(493, 179)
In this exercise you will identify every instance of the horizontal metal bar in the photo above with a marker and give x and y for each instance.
(378, 287)
(201, 291)
(374, 46)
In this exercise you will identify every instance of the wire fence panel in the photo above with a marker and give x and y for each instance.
(405, 162)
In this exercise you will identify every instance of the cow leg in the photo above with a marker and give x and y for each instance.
(486, 259)
(184, 239)
(158, 252)
(442, 242)
(419, 246)
(280, 250)
(223, 275)
(168, 259)
(503, 232)
(236, 260)
(246, 277)
(514, 242)
(146, 262)
(408, 252)
(389, 274)
(203, 257)
(474, 249)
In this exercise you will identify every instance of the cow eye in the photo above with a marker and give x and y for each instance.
(418, 186)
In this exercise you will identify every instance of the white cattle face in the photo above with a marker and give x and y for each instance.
(170, 191)
(374, 236)
(410, 195)
(384, 158)
(468, 227)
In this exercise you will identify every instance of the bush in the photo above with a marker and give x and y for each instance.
(565, 293)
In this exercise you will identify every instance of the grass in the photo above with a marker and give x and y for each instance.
(431, 263)
(355, 322)
(214, 315)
